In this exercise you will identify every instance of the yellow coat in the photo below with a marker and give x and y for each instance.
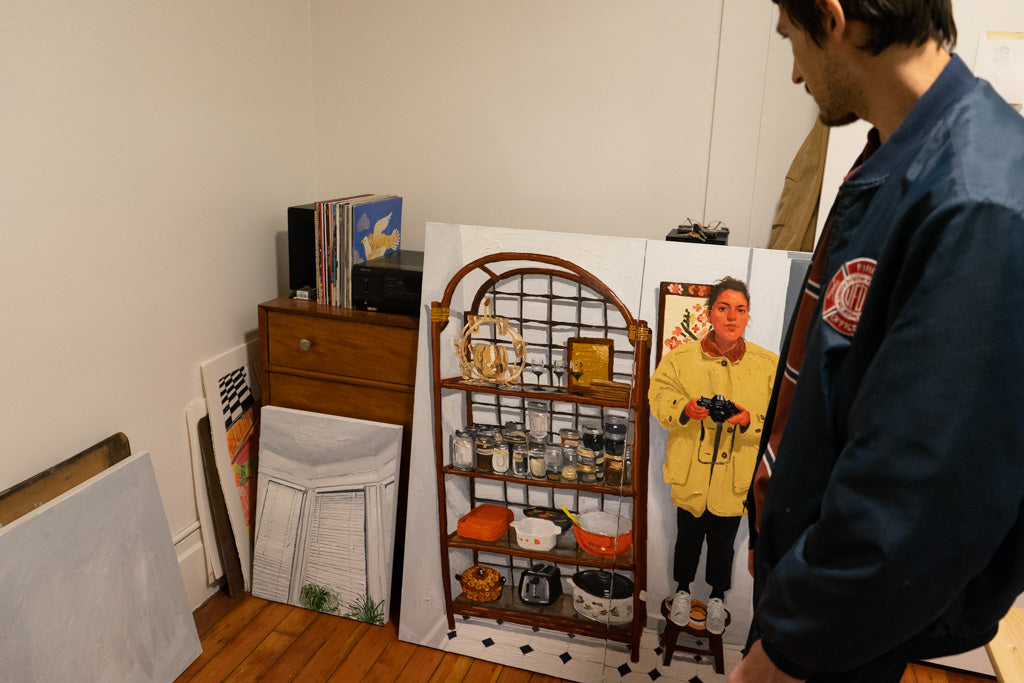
(689, 372)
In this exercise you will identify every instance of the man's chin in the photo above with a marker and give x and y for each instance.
(837, 121)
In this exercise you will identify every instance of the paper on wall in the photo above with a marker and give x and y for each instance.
(1000, 61)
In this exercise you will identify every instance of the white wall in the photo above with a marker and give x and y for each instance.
(148, 152)
(578, 116)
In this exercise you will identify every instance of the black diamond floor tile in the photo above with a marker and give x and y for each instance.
(565, 657)
(624, 669)
(526, 649)
(487, 642)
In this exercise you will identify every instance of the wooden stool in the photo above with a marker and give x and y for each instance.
(698, 611)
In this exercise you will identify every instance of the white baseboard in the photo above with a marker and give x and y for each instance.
(192, 562)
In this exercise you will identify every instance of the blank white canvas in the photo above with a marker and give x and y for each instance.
(90, 588)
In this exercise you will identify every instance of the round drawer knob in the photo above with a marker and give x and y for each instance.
(304, 344)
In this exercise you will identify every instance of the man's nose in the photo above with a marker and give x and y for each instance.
(798, 77)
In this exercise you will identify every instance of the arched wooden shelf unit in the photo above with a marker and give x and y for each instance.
(548, 300)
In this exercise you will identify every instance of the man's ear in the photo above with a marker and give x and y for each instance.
(834, 19)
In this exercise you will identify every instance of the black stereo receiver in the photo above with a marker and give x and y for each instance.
(389, 284)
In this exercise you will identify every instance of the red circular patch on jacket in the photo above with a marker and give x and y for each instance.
(844, 298)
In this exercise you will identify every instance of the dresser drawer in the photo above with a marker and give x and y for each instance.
(341, 347)
(338, 398)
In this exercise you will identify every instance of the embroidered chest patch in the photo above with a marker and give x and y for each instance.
(844, 298)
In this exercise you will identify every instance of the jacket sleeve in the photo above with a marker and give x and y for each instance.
(922, 504)
(668, 394)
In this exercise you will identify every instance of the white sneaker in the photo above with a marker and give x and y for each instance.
(715, 621)
(680, 613)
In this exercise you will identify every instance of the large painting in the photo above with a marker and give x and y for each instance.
(325, 520)
(232, 397)
(634, 269)
(90, 588)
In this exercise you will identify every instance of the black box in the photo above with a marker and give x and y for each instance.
(389, 284)
(699, 234)
(302, 247)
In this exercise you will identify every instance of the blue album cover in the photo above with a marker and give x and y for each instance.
(376, 228)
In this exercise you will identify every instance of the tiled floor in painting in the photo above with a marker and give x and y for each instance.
(579, 658)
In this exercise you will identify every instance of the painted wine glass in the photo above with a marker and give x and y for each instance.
(558, 367)
(576, 369)
(536, 366)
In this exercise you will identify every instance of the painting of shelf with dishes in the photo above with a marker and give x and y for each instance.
(542, 488)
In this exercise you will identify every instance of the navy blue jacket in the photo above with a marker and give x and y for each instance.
(892, 522)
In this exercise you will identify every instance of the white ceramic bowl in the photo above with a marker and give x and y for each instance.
(533, 533)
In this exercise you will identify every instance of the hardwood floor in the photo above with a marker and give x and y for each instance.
(248, 639)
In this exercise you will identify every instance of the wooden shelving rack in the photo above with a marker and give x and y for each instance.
(548, 299)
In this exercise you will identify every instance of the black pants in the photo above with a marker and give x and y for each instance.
(691, 532)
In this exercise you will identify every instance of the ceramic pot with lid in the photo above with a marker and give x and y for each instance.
(481, 584)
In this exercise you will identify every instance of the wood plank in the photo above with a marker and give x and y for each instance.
(363, 656)
(262, 658)
(22, 498)
(511, 674)
(305, 647)
(452, 669)
(1006, 651)
(244, 642)
(297, 621)
(391, 662)
(216, 607)
(924, 674)
(222, 632)
(333, 651)
(421, 665)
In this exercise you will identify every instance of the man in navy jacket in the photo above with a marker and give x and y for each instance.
(887, 505)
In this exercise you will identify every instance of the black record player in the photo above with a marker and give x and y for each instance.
(389, 284)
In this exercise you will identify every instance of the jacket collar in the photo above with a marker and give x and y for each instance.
(708, 346)
(952, 84)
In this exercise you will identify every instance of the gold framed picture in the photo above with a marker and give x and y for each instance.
(682, 315)
(590, 358)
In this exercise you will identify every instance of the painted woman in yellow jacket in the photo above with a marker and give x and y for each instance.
(710, 463)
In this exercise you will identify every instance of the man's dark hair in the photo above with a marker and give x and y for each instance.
(889, 22)
(724, 284)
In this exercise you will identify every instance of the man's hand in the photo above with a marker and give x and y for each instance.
(694, 411)
(741, 418)
(757, 668)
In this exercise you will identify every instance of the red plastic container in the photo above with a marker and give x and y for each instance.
(485, 523)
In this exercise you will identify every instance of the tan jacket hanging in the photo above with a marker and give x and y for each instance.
(797, 213)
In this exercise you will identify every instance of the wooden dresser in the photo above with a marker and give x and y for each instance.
(338, 360)
(341, 361)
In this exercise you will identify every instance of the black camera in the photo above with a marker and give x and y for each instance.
(719, 407)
